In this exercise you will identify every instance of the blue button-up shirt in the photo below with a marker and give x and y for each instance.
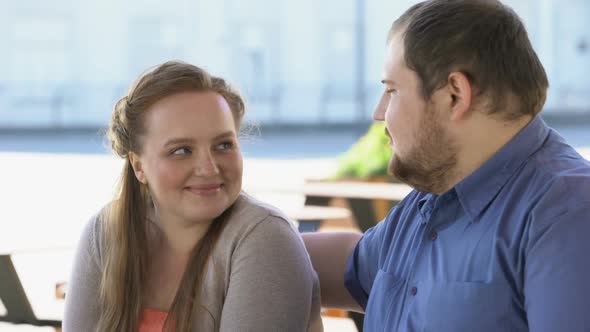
(506, 249)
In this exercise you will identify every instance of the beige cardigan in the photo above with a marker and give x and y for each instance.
(260, 277)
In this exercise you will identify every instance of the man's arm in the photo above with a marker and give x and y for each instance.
(557, 273)
(329, 253)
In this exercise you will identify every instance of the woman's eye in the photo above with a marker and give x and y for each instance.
(181, 151)
(390, 91)
(225, 146)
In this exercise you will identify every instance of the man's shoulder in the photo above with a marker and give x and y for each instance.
(564, 192)
(556, 178)
(560, 165)
(557, 158)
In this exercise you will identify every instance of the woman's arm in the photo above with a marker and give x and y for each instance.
(272, 282)
(81, 309)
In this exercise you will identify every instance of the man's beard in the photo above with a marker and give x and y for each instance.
(431, 163)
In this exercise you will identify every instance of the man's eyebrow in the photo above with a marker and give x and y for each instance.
(387, 81)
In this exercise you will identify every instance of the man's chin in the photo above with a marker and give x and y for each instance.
(401, 171)
(396, 168)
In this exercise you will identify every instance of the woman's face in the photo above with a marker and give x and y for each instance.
(190, 158)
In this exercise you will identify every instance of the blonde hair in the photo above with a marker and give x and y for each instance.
(125, 255)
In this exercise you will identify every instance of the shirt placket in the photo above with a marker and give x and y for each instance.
(413, 285)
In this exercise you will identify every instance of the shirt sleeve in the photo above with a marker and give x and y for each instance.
(81, 305)
(557, 272)
(362, 265)
(272, 282)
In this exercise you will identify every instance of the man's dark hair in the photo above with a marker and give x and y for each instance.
(483, 39)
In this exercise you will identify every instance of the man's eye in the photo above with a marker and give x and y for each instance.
(390, 91)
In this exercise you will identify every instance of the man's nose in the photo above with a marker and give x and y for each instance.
(379, 113)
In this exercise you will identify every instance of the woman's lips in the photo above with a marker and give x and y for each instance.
(206, 189)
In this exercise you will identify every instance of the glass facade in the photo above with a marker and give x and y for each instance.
(64, 64)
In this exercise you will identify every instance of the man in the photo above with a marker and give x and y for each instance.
(493, 236)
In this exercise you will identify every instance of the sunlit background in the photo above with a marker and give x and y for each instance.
(64, 63)
(310, 71)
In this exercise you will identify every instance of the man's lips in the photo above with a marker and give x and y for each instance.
(388, 136)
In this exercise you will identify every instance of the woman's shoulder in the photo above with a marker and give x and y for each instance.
(93, 234)
(250, 214)
(90, 243)
(251, 210)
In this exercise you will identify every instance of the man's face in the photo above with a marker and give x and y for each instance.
(423, 151)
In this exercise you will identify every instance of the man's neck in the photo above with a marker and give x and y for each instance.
(479, 141)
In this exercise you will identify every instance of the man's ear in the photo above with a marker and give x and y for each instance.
(461, 91)
(137, 167)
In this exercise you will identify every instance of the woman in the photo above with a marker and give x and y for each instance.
(181, 248)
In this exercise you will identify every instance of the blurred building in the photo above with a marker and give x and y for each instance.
(64, 63)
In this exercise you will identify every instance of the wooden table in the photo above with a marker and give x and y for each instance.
(310, 217)
(358, 195)
(33, 258)
(20, 308)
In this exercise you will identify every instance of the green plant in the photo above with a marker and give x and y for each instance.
(368, 157)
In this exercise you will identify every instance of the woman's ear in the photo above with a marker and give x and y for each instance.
(136, 163)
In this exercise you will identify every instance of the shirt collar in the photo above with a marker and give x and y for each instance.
(477, 190)
(430, 202)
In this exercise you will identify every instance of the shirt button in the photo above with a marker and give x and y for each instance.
(414, 291)
(433, 236)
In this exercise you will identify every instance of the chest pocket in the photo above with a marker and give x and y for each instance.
(471, 306)
(383, 308)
